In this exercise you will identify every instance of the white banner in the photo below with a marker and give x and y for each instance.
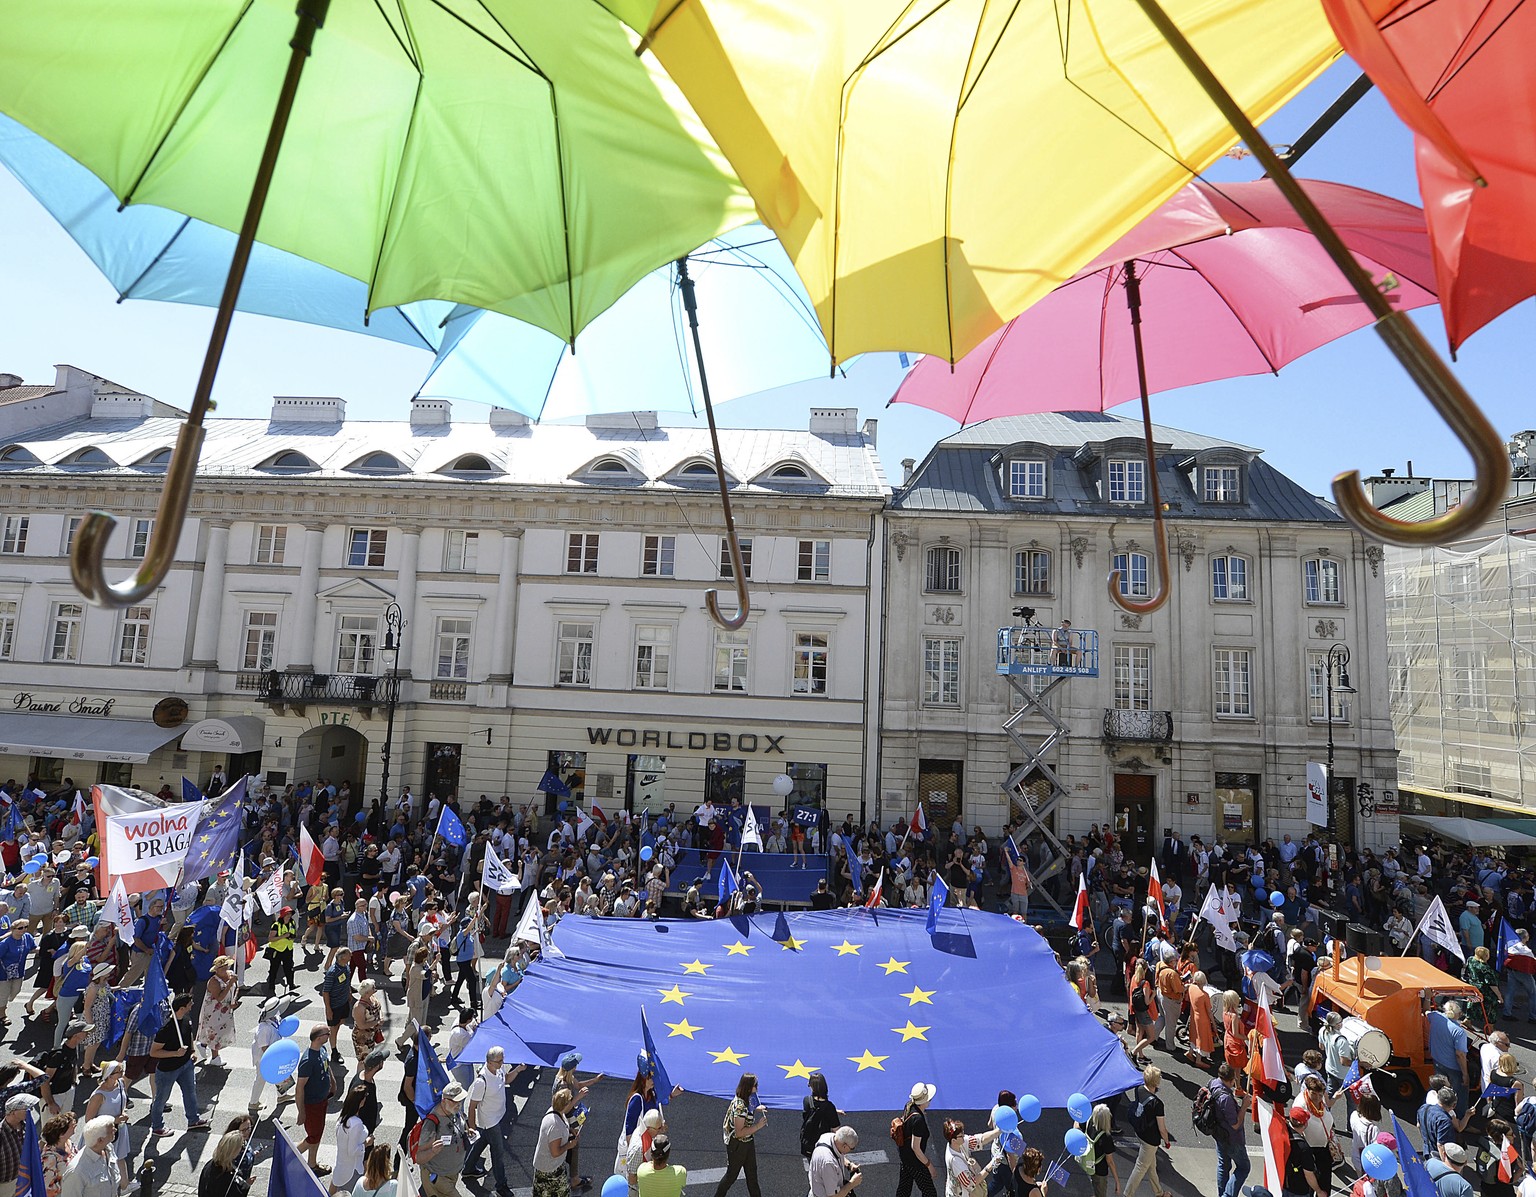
(1317, 794)
(1220, 916)
(495, 876)
(233, 910)
(147, 850)
(1436, 926)
(118, 912)
(270, 892)
(751, 833)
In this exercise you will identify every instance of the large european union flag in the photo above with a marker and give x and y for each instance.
(217, 838)
(867, 997)
(450, 828)
(291, 1176)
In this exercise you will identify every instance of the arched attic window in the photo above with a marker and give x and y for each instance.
(378, 463)
(18, 455)
(470, 463)
(698, 469)
(157, 460)
(790, 472)
(88, 457)
(608, 465)
(290, 461)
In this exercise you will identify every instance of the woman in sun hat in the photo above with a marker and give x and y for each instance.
(97, 1005)
(913, 1147)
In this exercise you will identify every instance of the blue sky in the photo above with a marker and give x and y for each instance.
(1348, 405)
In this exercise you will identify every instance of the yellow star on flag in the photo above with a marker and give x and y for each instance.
(730, 1057)
(847, 949)
(798, 1068)
(911, 1032)
(868, 1060)
(792, 945)
(738, 948)
(675, 994)
(895, 966)
(919, 994)
(684, 1028)
(698, 967)
(205, 839)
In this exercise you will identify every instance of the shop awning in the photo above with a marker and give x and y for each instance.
(231, 734)
(1509, 808)
(76, 738)
(1477, 833)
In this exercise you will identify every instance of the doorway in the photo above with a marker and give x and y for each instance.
(1135, 814)
(332, 751)
(1341, 810)
(442, 776)
(938, 789)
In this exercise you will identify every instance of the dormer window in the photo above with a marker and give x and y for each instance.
(291, 462)
(1026, 478)
(378, 463)
(699, 468)
(792, 473)
(18, 455)
(1127, 478)
(155, 461)
(608, 465)
(470, 463)
(1221, 483)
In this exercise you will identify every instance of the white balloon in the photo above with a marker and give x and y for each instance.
(783, 783)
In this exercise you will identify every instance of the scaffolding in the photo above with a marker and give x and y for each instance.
(1461, 645)
(1036, 662)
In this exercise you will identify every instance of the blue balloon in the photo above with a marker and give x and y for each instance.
(93, 861)
(288, 1026)
(1005, 1118)
(1277, 899)
(1076, 1142)
(647, 852)
(1378, 1161)
(1079, 1107)
(362, 816)
(1258, 884)
(32, 865)
(1012, 1142)
(616, 1186)
(280, 1061)
(1029, 1108)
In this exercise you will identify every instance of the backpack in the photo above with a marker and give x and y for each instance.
(1143, 1121)
(1525, 1117)
(899, 1130)
(414, 1143)
(1204, 1114)
(1139, 1003)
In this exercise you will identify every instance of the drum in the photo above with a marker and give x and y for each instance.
(1370, 1044)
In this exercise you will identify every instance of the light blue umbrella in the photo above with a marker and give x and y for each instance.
(759, 326)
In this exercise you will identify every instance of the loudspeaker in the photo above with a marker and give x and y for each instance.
(1338, 927)
(1364, 941)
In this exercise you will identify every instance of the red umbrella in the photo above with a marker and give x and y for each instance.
(1220, 281)
(1458, 73)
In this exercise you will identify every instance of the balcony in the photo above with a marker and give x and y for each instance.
(298, 690)
(1138, 727)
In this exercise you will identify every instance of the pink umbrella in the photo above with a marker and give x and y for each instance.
(1218, 282)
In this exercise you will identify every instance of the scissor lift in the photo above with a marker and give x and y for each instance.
(1036, 662)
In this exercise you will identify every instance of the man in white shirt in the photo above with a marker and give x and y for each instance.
(487, 1110)
(1425, 868)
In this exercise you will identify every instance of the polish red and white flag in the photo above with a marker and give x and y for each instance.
(1080, 908)
(310, 859)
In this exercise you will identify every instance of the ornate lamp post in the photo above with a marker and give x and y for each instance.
(394, 625)
(1337, 664)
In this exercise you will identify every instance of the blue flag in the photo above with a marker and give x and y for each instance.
(291, 1176)
(550, 783)
(152, 1014)
(29, 1179)
(1010, 851)
(1507, 937)
(1353, 1074)
(856, 872)
(1416, 1178)
(217, 839)
(936, 903)
(10, 823)
(727, 882)
(431, 1076)
(123, 1002)
(663, 1081)
(450, 828)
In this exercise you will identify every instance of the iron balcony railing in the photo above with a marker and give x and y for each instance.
(354, 689)
(1139, 727)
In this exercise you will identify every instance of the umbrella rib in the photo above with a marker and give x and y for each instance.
(991, 53)
(127, 292)
(407, 50)
(949, 184)
(181, 107)
(1462, 60)
(1216, 291)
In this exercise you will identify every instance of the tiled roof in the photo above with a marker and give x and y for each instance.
(22, 393)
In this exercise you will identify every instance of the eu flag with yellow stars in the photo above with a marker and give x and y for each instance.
(870, 998)
(217, 837)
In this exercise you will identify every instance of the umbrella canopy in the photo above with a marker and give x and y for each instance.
(1458, 73)
(1231, 284)
(1480, 833)
(510, 155)
(935, 167)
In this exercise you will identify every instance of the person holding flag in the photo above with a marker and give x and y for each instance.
(1020, 883)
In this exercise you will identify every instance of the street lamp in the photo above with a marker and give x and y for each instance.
(1337, 662)
(394, 625)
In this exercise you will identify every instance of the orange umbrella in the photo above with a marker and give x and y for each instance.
(1458, 73)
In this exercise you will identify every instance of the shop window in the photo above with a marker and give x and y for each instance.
(645, 784)
(1237, 805)
(725, 779)
(810, 784)
(114, 773)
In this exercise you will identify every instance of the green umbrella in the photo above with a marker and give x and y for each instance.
(513, 155)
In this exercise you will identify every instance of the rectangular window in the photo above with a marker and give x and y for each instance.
(941, 672)
(260, 640)
(138, 538)
(68, 620)
(1133, 677)
(1032, 572)
(1469, 679)
(581, 553)
(1233, 682)
(133, 643)
(462, 552)
(573, 653)
(942, 572)
(1317, 691)
(732, 651)
(653, 656)
(71, 526)
(357, 642)
(1463, 581)
(1127, 480)
(1133, 574)
(453, 649)
(271, 543)
(1322, 580)
(1471, 777)
(1221, 484)
(1026, 479)
(809, 675)
(745, 544)
(659, 557)
(9, 609)
(815, 561)
(1229, 579)
(365, 547)
(13, 538)
(1397, 675)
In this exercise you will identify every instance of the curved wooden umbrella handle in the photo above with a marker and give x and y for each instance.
(743, 598)
(1160, 552)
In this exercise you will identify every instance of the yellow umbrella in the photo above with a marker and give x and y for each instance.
(933, 167)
